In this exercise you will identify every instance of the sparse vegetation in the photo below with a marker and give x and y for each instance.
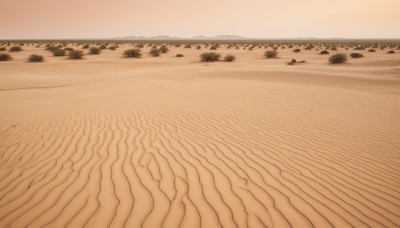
(59, 52)
(391, 52)
(163, 49)
(271, 54)
(356, 55)
(2, 49)
(359, 48)
(133, 53)
(35, 58)
(94, 51)
(371, 50)
(15, 49)
(155, 52)
(179, 55)
(229, 58)
(75, 54)
(338, 58)
(214, 47)
(5, 57)
(324, 52)
(296, 50)
(210, 57)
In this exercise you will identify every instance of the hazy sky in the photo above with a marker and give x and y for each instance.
(186, 18)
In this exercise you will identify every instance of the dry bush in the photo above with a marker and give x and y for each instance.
(229, 58)
(338, 58)
(35, 58)
(210, 57)
(133, 53)
(271, 54)
(356, 55)
(324, 52)
(5, 57)
(75, 54)
(163, 49)
(15, 49)
(179, 55)
(94, 51)
(59, 52)
(155, 52)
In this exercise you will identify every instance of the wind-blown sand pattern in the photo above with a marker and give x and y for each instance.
(168, 142)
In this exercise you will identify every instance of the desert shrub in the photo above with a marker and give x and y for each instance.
(59, 52)
(338, 58)
(86, 46)
(214, 47)
(75, 55)
(371, 50)
(210, 57)
(94, 51)
(296, 50)
(188, 46)
(333, 49)
(324, 52)
(15, 49)
(52, 48)
(177, 45)
(68, 49)
(271, 54)
(179, 55)
(309, 47)
(102, 47)
(229, 58)
(359, 48)
(35, 58)
(5, 57)
(155, 52)
(163, 49)
(2, 49)
(133, 53)
(356, 55)
(198, 47)
(391, 52)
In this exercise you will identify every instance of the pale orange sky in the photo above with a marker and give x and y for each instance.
(30, 19)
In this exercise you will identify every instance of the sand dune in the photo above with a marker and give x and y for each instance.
(168, 142)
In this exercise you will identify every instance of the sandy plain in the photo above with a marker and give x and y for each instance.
(163, 141)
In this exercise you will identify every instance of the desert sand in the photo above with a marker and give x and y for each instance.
(162, 141)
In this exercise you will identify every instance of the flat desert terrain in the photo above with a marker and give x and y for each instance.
(109, 141)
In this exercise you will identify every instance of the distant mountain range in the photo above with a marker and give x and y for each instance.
(164, 37)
